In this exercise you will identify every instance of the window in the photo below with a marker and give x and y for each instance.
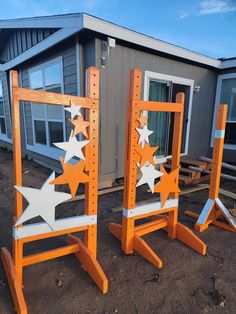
(3, 130)
(226, 94)
(48, 120)
(164, 88)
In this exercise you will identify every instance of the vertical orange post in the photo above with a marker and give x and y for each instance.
(218, 148)
(91, 153)
(214, 208)
(134, 95)
(17, 244)
(128, 233)
(175, 162)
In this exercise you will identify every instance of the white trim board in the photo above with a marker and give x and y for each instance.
(150, 208)
(178, 80)
(217, 102)
(60, 224)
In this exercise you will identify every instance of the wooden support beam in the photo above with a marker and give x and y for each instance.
(151, 226)
(216, 223)
(47, 255)
(144, 250)
(13, 281)
(90, 264)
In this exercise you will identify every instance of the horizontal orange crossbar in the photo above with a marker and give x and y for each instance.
(151, 226)
(54, 234)
(41, 257)
(25, 94)
(159, 106)
(154, 213)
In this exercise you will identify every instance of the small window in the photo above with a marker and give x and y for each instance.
(47, 119)
(36, 79)
(2, 113)
(55, 132)
(53, 76)
(228, 96)
(40, 132)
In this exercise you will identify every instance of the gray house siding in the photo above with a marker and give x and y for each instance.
(114, 78)
(6, 102)
(21, 40)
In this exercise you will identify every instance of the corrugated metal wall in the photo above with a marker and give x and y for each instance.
(114, 85)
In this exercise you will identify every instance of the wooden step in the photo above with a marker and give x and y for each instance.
(193, 161)
(184, 171)
(184, 179)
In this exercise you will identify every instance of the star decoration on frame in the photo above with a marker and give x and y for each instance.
(149, 174)
(80, 125)
(74, 110)
(143, 135)
(146, 154)
(168, 184)
(143, 120)
(72, 147)
(42, 202)
(72, 175)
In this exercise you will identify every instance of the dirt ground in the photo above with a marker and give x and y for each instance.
(187, 283)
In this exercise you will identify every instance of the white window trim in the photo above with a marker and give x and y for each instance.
(178, 80)
(51, 152)
(4, 137)
(217, 102)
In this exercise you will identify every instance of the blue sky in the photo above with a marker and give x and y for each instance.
(205, 26)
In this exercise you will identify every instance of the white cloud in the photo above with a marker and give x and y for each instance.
(207, 7)
(216, 6)
(184, 15)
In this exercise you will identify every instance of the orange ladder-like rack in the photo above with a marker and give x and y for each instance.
(85, 250)
(127, 232)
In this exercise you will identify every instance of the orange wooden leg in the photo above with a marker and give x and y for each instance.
(14, 282)
(173, 217)
(186, 236)
(127, 240)
(144, 249)
(90, 264)
(116, 230)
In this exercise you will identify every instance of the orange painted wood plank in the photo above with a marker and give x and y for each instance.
(14, 282)
(151, 226)
(90, 264)
(51, 254)
(159, 106)
(144, 250)
(24, 94)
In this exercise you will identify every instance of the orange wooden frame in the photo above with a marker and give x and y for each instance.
(128, 233)
(84, 251)
(214, 209)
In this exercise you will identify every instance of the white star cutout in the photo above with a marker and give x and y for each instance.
(74, 110)
(42, 202)
(72, 147)
(149, 175)
(144, 134)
